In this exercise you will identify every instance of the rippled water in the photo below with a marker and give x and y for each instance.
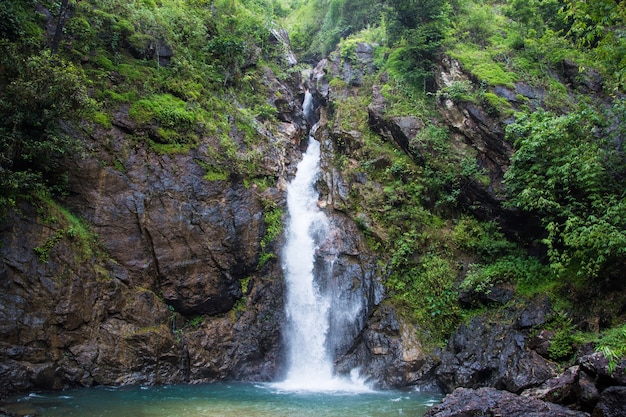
(215, 400)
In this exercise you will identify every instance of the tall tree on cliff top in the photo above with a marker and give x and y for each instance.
(417, 27)
(38, 92)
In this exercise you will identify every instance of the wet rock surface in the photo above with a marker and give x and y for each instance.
(158, 279)
(388, 354)
(612, 403)
(466, 402)
(487, 352)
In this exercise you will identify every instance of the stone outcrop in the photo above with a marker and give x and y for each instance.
(388, 353)
(481, 129)
(465, 402)
(400, 129)
(488, 352)
(383, 347)
(588, 386)
(612, 403)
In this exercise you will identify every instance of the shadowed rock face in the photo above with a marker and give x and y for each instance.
(169, 227)
(488, 353)
(171, 289)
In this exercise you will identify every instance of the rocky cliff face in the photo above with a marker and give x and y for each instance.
(382, 345)
(164, 278)
(150, 271)
(160, 281)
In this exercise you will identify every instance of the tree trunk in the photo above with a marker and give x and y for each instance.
(59, 30)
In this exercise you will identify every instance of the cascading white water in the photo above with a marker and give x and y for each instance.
(307, 308)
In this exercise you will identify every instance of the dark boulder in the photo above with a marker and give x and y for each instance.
(588, 393)
(562, 389)
(486, 352)
(612, 403)
(598, 366)
(490, 402)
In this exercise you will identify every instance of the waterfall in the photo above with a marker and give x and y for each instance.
(310, 365)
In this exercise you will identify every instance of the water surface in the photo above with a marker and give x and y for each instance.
(217, 400)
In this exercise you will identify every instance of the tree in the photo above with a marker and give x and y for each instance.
(417, 27)
(601, 25)
(571, 171)
(37, 95)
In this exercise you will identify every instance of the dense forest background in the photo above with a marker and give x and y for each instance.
(188, 69)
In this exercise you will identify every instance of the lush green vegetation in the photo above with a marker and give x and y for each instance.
(37, 94)
(568, 168)
(191, 72)
(317, 26)
(187, 70)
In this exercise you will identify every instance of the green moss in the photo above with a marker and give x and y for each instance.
(481, 64)
(170, 148)
(165, 109)
(68, 228)
(101, 118)
(216, 176)
(101, 60)
(498, 105)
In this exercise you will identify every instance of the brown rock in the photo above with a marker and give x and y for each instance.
(562, 389)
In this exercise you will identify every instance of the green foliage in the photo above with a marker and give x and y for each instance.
(537, 15)
(67, 227)
(482, 65)
(599, 25)
(561, 346)
(425, 290)
(164, 109)
(38, 93)
(612, 344)
(18, 22)
(476, 23)
(316, 27)
(457, 91)
(570, 171)
(273, 219)
(482, 239)
(525, 271)
(44, 250)
(496, 104)
(417, 28)
(179, 122)
(195, 322)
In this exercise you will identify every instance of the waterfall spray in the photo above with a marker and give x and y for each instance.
(309, 361)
